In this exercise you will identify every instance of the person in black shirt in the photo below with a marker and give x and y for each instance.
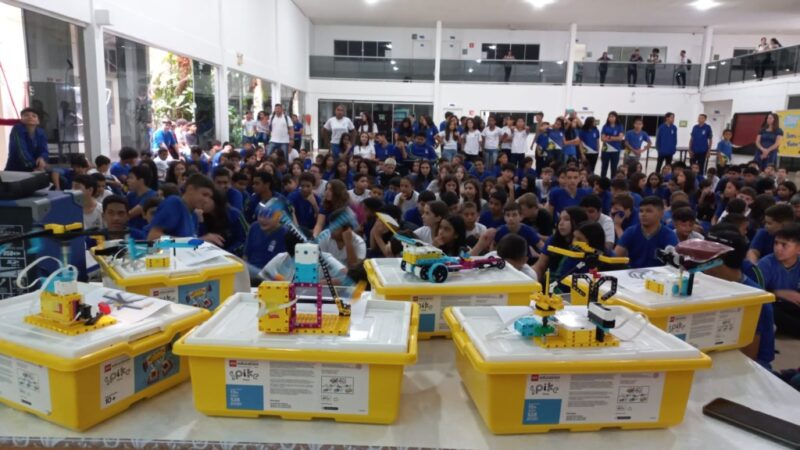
(633, 67)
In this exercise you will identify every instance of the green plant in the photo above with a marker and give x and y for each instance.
(235, 126)
(173, 90)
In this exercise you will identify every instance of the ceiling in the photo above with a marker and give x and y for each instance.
(731, 17)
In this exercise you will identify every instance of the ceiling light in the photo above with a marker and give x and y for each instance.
(469, 70)
(492, 47)
(723, 63)
(392, 62)
(538, 4)
(541, 70)
(560, 62)
(388, 45)
(370, 2)
(395, 68)
(478, 60)
(705, 5)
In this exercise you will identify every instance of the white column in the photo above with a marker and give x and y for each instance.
(573, 37)
(276, 94)
(705, 58)
(97, 134)
(221, 103)
(437, 94)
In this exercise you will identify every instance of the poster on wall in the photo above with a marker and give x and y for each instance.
(790, 124)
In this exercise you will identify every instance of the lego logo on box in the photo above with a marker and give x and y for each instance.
(534, 377)
(232, 363)
(107, 368)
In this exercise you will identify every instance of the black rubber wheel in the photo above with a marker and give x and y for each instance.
(403, 265)
(423, 272)
(501, 264)
(439, 273)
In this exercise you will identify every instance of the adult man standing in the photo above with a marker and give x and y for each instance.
(281, 131)
(666, 140)
(27, 144)
(700, 142)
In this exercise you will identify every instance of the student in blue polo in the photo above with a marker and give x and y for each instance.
(612, 136)
(139, 193)
(265, 239)
(781, 273)
(305, 202)
(420, 149)
(635, 140)
(176, 215)
(494, 217)
(264, 190)
(775, 217)
(27, 144)
(724, 151)
(568, 195)
(640, 242)
(666, 140)
(513, 219)
(223, 179)
(700, 142)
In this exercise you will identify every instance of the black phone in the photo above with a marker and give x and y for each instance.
(757, 422)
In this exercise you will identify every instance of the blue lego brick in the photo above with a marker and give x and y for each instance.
(306, 273)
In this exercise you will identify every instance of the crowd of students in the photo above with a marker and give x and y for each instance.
(468, 187)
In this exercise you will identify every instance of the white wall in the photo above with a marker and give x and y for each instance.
(598, 41)
(767, 95)
(250, 34)
(292, 45)
(553, 45)
(76, 10)
(724, 44)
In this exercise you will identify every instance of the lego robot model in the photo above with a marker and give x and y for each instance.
(589, 331)
(278, 299)
(688, 257)
(428, 262)
(155, 254)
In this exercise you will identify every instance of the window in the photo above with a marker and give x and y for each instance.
(624, 53)
(528, 52)
(794, 102)
(371, 49)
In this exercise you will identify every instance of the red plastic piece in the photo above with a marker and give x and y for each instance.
(104, 308)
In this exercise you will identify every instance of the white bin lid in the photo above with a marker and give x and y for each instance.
(384, 328)
(707, 289)
(391, 275)
(183, 261)
(650, 344)
(131, 324)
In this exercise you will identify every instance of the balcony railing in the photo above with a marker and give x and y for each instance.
(639, 74)
(501, 71)
(755, 66)
(365, 68)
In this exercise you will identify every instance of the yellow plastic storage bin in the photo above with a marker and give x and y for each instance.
(719, 315)
(238, 371)
(79, 381)
(203, 277)
(477, 287)
(519, 387)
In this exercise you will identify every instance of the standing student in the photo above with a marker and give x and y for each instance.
(571, 140)
(491, 142)
(700, 142)
(590, 142)
(519, 141)
(666, 140)
(335, 127)
(650, 70)
(637, 142)
(508, 64)
(507, 135)
(640, 242)
(612, 136)
(281, 132)
(680, 71)
(768, 141)
(602, 68)
(176, 216)
(724, 150)
(448, 139)
(471, 141)
(298, 132)
(633, 67)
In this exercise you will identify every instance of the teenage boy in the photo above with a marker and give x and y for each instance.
(92, 209)
(176, 215)
(684, 220)
(494, 217)
(345, 246)
(594, 211)
(666, 140)
(505, 181)
(775, 217)
(700, 142)
(640, 242)
(127, 159)
(474, 229)
(534, 216)
(637, 142)
(479, 170)
(569, 194)
(138, 193)
(407, 199)
(420, 148)
(511, 214)
(115, 218)
(27, 145)
(781, 273)
(414, 215)
(264, 190)
(512, 249)
(545, 183)
(360, 189)
(305, 202)
(222, 180)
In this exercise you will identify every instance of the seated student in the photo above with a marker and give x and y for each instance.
(92, 209)
(514, 225)
(121, 169)
(414, 216)
(102, 166)
(795, 202)
(150, 207)
(101, 191)
(176, 215)
(527, 169)
(241, 182)
(162, 161)
(223, 225)
(388, 172)
(407, 199)
(290, 184)
(223, 179)
(138, 193)
(558, 265)
(115, 218)
(198, 159)
(534, 216)
(264, 190)
(479, 171)
(512, 249)
(451, 235)
(684, 220)
(360, 189)
(622, 214)
(762, 349)
(545, 184)
(593, 207)
(381, 242)
(569, 194)
(432, 215)
(785, 191)
(371, 206)
(505, 181)
(473, 229)
(305, 202)
(392, 192)
(420, 149)
(620, 186)
(344, 245)
(775, 218)
(640, 242)
(601, 186)
(781, 273)
(282, 266)
(493, 217)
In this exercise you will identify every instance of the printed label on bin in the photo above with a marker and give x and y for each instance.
(124, 376)
(297, 387)
(25, 383)
(431, 307)
(202, 295)
(593, 398)
(708, 329)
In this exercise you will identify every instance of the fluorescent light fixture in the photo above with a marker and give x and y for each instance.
(541, 70)
(389, 45)
(538, 4)
(478, 60)
(705, 5)
(723, 63)
(712, 67)
(371, 2)
(392, 62)
(469, 70)
(395, 68)
(560, 62)
(493, 47)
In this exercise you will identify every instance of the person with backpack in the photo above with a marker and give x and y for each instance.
(281, 131)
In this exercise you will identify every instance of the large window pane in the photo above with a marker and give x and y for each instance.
(518, 50)
(340, 48)
(532, 52)
(354, 48)
(370, 49)
(204, 76)
(130, 113)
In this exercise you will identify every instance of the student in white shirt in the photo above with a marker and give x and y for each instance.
(432, 216)
(593, 206)
(249, 128)
(364, 148)
(162, 161)
(406, 200)
(471, 140)
(491, 142)
(367, 126)
(448, 139)
(473, 228)
(506, 135)
(335, 127)
(360, 189)
(281, 131)
(345, 246)
(519, 143)
(514, 249)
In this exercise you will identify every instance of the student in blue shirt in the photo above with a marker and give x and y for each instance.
(590, 143)
(724, 151)
(700, 142)
(305, 202)
(199, 160)
(414, 215)
(121, 168)
(138, 194)
(222, 180)
(767, 142)
(298, 131)
(637, 142)
(612, 136)
(165, 138)
(27, 144)
(176, 215)
(479, 170)
(511, 214)
(494, 217)
(265, 239)
(420, 149)
(555, 141)
(640, 242)
(666, 140)
(781, 273)
(568, 195)
(264, 190)
(623, 214)
(775, 217)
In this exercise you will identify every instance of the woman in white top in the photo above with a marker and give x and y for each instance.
(432, 216)
(364, 148)
(336, 127)
(506, 135)
(519, 143)
(491, 142)
(366, 125)
(471, 140)
(262, 127)
(448, 139)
